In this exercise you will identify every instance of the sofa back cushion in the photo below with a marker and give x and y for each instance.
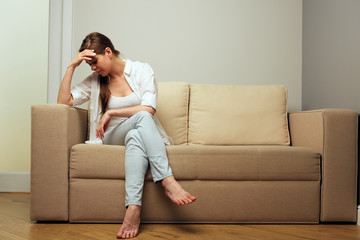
(238, 115)
(172, 109)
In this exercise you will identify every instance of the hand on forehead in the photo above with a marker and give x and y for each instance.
(92, 61)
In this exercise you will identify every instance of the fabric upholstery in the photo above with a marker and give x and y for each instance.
(102, 200)
(172, 110)
(238, 115)
(246, 163)
(333, 133)
(54, 129)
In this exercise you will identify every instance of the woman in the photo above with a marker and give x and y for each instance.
(122, 98)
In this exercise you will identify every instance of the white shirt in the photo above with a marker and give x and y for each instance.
(121, 102)
(140, 77)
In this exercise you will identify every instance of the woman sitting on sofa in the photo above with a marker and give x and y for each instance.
(122, 96)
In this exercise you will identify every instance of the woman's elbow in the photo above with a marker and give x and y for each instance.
(151, 110)
(70, 102)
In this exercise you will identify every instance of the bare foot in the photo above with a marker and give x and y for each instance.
(130, 226)
(176, 193)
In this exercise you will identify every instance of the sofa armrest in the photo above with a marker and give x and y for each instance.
(55, 128)
(333, 133)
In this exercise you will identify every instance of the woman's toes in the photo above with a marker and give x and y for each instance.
(120, 234)
(190, 197)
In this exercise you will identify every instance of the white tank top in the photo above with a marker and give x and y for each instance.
(121, 102)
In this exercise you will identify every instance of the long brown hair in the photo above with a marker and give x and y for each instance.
(99, 42)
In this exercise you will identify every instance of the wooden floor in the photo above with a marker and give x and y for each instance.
(15, 224)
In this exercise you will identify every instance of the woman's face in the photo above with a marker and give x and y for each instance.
(101, 63)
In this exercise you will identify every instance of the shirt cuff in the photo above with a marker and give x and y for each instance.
(76, 97)
(149, 99)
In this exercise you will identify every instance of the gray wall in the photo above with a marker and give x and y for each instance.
(240, 42)
(331, 54)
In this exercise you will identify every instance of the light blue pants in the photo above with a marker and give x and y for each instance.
(144, 147)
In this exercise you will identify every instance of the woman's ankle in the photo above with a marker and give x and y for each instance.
(134, 207)
(167, 180)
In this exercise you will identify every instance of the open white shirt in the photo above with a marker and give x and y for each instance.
(140, 77)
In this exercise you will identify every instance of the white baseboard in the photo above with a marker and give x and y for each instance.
(14, 181)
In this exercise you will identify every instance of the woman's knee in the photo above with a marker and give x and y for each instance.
(133, 134)
(143, 115)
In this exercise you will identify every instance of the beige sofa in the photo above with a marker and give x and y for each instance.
(234, 150)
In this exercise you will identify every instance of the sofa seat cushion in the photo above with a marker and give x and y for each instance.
(189, 162)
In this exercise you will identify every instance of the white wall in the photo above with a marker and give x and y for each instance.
(247, 42)
(331, 54)
(219, 41)
(23, 80)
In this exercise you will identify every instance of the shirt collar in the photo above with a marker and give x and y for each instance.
(127, 69)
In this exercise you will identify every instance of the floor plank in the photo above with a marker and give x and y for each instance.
(15, 224)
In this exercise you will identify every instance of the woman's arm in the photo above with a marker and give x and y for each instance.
(121, 112)
(129, 111)
(65, 96)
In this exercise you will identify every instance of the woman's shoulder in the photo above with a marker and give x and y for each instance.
(92, 78)
(139, 66)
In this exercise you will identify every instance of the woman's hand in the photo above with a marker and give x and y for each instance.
(103, 124)
(86, 55)
(65, 96)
